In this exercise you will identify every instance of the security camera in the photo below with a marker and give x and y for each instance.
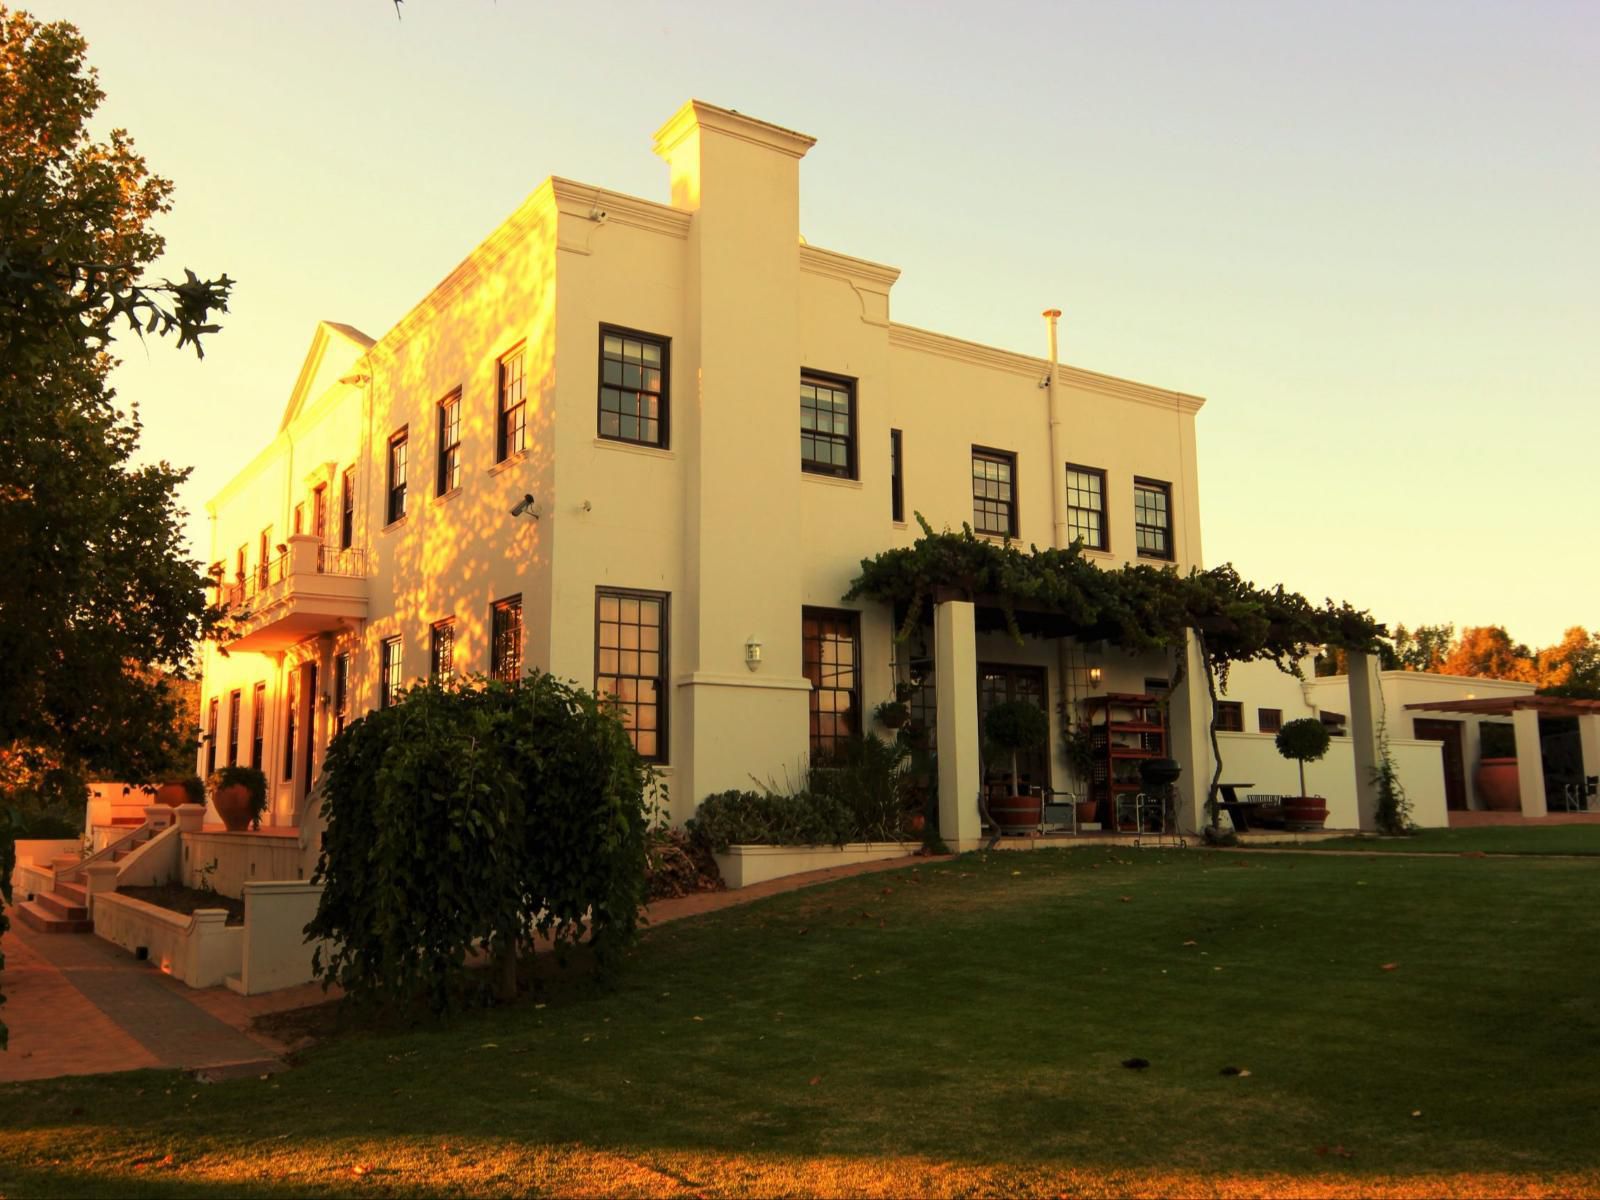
(525, 505)
(598, 216)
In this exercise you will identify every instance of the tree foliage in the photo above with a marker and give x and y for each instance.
(97, 596)
(482, 816)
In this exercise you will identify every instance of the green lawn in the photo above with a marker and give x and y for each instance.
(953, 1029)
(1488, 839)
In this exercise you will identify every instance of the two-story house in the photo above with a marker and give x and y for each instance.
(715, 422)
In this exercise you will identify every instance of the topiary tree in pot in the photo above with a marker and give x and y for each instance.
(1304, 740)
(1016, 727)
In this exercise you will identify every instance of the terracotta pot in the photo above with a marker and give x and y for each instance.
(233, 806)
(1496, 780)
(1017, 812)
(916, 823)
(1304, 813)
(172, 794)
(1088, 811)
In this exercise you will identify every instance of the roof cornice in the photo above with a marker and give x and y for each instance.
(586, 200)
(911, 338)
(844, 266)
(697, 114)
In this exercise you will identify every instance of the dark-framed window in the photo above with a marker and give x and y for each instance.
(511, 425)
(505, 639)
(240, 560)
(1269, 720)
(994, 491)
(634, 373)
(341, 692)
(449, 472)
(897, 478)
(1086, 506)
(299, 518)
(1230, 716)
(830, 657)
(235, 711)
(395, 508)
(319, 511)
(442, 650)
(827, 425)
(258, 725)
(263, 570)
(211, 736)
(1152, 518)
(630, 664)
(347, 509)
(291, 719)
(389, 661)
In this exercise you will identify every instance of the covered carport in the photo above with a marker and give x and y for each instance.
(1525, 714)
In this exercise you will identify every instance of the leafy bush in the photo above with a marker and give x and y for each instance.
(1393, 816)
(868, 778)
(677, 865)
(483, 816)
(1499, 740)
(194, 788)
(736, 818)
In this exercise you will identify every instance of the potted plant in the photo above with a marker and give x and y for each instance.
(1015, 727)
(1496, 776)
(185, 790)
(239, 795)
(1079, 747)
(1304, 740)
(892, 714)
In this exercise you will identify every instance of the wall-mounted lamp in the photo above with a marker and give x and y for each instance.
(327, 700)
(525, 505)
(752, 652)
(1095, 676)
(283, 548)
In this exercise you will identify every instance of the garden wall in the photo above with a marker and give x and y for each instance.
(201, 949)
(276, 953)
(33, 871)
(240, 858)
(1253, 758)
(742, 866)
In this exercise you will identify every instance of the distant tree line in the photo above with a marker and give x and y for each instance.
(1570, 667)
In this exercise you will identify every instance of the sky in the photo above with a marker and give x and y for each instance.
(1366, 232)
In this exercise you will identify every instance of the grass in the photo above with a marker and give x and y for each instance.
(1486, 839)
(958, 1028)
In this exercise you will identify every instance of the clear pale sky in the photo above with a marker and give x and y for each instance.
(1366, 232)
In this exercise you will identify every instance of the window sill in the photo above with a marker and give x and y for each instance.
(1156, 557)
(396, 524)
(634, 448)
(450, 495)
(831, 480)
(506, 463)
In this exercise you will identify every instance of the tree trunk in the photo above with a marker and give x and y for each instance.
(1213, 813)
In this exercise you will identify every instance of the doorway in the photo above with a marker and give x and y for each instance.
(1448, 735)
(308, 712)
(999, 683)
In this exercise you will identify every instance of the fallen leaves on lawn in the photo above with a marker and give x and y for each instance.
(1389, 966)
(1136, 1064)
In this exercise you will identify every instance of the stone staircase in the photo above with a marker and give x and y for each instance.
(65, 909)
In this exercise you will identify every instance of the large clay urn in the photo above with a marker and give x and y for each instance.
(1496, 780)
(233, 806)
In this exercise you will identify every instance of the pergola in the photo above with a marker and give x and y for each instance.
(1525, 713)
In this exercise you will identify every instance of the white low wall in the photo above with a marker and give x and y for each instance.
(240, 858)
(1254, 758)
(35, 857)
(202, 949)
(276, 953)
(742, 866)
(152, 864)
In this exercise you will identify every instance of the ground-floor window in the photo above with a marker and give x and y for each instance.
(388, 672)
(1230, 716)
(505, 641)
(830, 659)
(258, 725)
(341, 692)
(630, 664)
(1269, 720)
(1002, 683)
(442, 651)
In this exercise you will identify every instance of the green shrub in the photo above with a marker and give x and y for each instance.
(252, 779)
(736, 818)
(868, 778)
(484, 816)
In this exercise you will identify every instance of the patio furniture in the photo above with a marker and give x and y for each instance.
(1576, 796)
(1061, 808)
(1233, 806)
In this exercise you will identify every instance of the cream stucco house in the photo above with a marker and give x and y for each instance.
(645, 446)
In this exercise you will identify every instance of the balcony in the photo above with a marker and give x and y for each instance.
(309, 589)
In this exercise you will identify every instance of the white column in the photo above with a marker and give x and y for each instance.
(1530, 761)
(1189, 727)
(1364, 708)
(956, 689)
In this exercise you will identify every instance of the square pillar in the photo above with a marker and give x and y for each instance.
(1365, 705)
(1589, 741)
(1189, 731)
(956, 694)
(1530, 761)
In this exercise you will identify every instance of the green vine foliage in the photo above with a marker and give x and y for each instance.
(1393, 815)
(481, 816)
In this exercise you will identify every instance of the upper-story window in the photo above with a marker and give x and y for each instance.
(897, 477)
(341, 692)
(396, 506)
(299, 525)
(319, 511)
(1086, 506)
(631, 665)
(263, 570)
(442, 651)
(449, 444)
(827, 425)
(633, 386)
(1230, 716)
(1152, 518)
(347, 509)
(1269, 720)
(994, 491)
(505, 639)
(511, 432)
(389, 652)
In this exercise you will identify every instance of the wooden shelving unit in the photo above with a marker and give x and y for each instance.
(1125, 729)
